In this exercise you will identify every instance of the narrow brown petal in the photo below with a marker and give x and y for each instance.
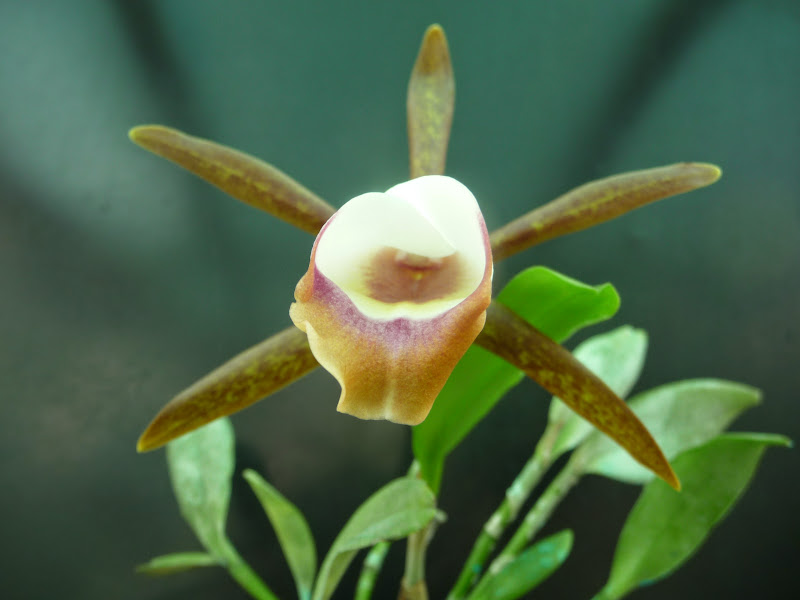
(508, 336)
(431, 97)
(597, 202)
(247, 378)
(244, 177)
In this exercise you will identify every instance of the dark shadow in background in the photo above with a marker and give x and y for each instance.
(219, 239)
(150, 43)
(655, 53)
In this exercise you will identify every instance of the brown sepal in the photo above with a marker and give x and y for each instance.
(554, 368)
(431, 98)
(247, 378)
(599, 201)
(244, 177)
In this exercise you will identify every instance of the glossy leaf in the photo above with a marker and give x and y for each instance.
(294, 534)
(665, 528)
(599, 201)
(680, 416)
(527, 570)
(247, 378)
(616, 357)
(554, 303)
(200, 467)
(431, 99)
(244, 177)
(177, 563)
(398, 509)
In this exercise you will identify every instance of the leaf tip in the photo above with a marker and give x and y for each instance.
(567, 539)
(703, 174)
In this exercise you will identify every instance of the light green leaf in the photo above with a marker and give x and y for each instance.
(398, 509)
(200, 467)
(666, 527)
(177, 562)
(680, 416)
(616, 357)
(555, 304)
(527, 570)
(294, 534)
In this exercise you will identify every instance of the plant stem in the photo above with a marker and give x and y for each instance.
(245, 576)
(516, 495)
(369, 572)
(604, 595)
(416, 592)
(538, 514)
(413, 584)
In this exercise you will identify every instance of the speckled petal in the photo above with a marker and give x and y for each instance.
(396, 291)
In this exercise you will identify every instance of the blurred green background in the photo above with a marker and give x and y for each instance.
(123, 278)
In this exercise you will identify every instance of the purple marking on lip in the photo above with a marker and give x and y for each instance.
(401, 330)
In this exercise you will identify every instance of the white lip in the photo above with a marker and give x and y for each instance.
(433, 216)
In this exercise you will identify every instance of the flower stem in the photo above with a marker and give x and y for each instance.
(516, 496)
(413, 585)
(538, 514)
(369, 572)
(245, 576)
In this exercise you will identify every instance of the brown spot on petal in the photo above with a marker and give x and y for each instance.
(393, 275)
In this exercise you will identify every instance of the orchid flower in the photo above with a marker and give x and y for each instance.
(395, 294)
(399, 283)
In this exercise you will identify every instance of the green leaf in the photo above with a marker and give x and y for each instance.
(555, 304)
(666, 527)
(178, 562)
(527, 570)
(558, 305)
(292, 530)
(398, 509)
(616, 357)
(680, 416)
(201, 466)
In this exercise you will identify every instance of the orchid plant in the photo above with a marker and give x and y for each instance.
(397, 305)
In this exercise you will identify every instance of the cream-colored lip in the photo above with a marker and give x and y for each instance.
(365, 248)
